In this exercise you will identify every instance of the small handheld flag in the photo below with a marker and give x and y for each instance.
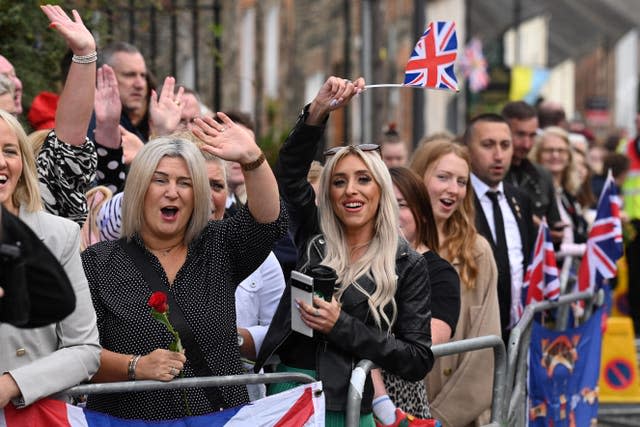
(432, 59)
(604, 245)
(542, 277)
(431, 63)
(474, 66)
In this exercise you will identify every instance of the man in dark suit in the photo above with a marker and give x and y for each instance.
(503, 213)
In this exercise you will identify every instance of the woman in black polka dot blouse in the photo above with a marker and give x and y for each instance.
(165, 211)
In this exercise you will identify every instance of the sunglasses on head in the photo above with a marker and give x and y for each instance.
(362, 147)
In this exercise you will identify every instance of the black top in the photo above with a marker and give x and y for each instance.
(445, 290)
(217, 261)
(537, 183)
(111, 171)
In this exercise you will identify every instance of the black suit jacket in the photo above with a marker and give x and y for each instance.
(520, 205)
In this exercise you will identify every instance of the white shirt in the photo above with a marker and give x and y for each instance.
(257, 298)
(231, 199)
(512, 233)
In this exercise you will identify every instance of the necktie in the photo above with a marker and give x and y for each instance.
(502, 261)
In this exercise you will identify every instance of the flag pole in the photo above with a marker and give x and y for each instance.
(409, 86)
(388, 85)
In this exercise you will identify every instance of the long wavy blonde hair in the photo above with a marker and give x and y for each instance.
(379, 260)
(459, 234)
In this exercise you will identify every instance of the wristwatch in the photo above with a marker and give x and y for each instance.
(240, 340)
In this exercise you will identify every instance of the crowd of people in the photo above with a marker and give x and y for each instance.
(135, 190)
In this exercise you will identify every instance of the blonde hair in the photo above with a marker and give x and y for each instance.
(379, 260)
(37, 139)
(90, 231)
(459, 233)
(27, 191)
(437, 136)
(139, 178)
(208, 157)
(569, 180)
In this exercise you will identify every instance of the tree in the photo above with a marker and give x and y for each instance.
(34, 50)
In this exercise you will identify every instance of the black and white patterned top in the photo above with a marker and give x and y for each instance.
(65, 173)
(226, 252)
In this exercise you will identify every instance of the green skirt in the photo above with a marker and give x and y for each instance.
(332, 418)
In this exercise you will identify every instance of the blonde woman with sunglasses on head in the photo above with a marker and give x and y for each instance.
(380, 307)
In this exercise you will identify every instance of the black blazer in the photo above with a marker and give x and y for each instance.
(520, 205)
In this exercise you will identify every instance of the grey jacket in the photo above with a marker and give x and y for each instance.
(44, 361)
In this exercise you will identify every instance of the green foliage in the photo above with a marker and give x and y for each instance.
(270, 144)
(273, 137)
(27, 42)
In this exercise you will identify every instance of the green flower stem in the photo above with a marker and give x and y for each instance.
(175, 345)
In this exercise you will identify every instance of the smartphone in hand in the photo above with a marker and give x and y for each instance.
(301, 290)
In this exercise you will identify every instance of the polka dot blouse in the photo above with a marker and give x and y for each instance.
(225, 253)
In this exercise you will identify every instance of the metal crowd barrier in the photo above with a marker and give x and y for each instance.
(359, 375)
(517, 354)
(178, 383)
(356, 387)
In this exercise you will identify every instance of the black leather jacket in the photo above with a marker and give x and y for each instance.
(355, 336)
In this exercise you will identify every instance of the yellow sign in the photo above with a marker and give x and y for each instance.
(618, 367)
(621, 291)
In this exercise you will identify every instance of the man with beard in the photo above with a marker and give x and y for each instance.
(503, 213)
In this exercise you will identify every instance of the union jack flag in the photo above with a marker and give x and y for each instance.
(432, 59)
(604, 245)
(542, 276)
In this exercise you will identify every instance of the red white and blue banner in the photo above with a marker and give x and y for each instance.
(298, 407)
(433, 57)
(563, 374)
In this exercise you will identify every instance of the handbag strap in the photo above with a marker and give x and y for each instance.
(192, 349)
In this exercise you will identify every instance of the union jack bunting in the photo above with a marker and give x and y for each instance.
(432, 59)
(542, 276)
(604, 245)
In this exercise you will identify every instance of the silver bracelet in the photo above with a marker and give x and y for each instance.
(131, 368)
(85, 59)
